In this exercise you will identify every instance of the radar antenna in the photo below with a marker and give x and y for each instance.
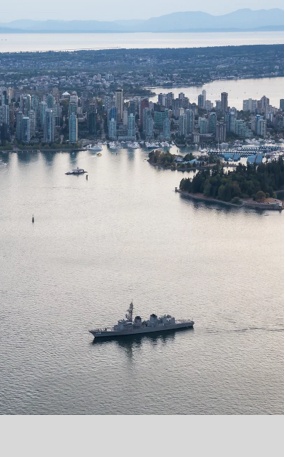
(129, 314)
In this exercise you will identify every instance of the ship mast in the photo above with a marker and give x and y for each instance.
(129, 314)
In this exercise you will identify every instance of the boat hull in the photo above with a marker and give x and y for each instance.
(111, 334)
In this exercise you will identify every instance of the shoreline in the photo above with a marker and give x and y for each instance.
(272, 204)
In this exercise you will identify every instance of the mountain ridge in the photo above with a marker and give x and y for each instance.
(196, 21)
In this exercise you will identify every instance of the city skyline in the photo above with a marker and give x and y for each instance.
(124, 10)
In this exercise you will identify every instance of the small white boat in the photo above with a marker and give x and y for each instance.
(114, 145)
(94, 147)
(153, 145)
(133, 145)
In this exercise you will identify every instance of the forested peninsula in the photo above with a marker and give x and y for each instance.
(245, 182)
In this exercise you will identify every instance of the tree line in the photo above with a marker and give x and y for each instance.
(251, 181)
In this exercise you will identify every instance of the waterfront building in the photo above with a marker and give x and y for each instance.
(73, 128)
(112, 129)
(196, 137)
(92, 118)
(57, 109)
(144, 103)
(148, 123)
(166, 129)
(224, 101)
(32, 116)
(42, 108)
(49, 126)
(19, 117)
(125, 117)
(112, 114)
(159, 117)
(25, 130)
(131, 126)
(119, 104)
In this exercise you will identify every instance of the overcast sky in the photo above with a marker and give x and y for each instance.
(110, 10)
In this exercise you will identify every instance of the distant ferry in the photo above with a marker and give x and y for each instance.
(131, 327)
(76, 171)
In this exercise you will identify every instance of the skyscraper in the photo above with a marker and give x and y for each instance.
(148, 123)
(212, 122)
(224, 101)
(25, 127)
(73, 128)
(112, 129)
(190, 118)
(131, 126)
(119, 104)
(221, 132)
(19, 117)
(49, 126)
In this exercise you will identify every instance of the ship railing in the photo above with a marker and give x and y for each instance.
(105, 329)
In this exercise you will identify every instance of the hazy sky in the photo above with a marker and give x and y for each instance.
(120, 9)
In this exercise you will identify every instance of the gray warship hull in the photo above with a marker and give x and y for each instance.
(108, 334)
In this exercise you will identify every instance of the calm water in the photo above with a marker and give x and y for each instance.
(238, 90)
(125, 234)
(71, 41)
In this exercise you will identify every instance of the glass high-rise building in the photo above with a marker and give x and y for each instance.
(73, 128)
(49, 126)
(119, 104)
(224, 101)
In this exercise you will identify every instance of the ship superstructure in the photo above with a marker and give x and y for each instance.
(129, 326)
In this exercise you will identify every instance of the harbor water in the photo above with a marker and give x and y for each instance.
(122, 235)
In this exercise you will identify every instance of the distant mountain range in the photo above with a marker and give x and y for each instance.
(240, 20)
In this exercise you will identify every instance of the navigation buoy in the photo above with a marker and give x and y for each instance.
(33, 219)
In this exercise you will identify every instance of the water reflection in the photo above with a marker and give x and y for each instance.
(27, 156)
(49, 157)
(131, 344)
(73, 157)
(5, 157)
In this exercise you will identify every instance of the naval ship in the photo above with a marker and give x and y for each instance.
(129, 326)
